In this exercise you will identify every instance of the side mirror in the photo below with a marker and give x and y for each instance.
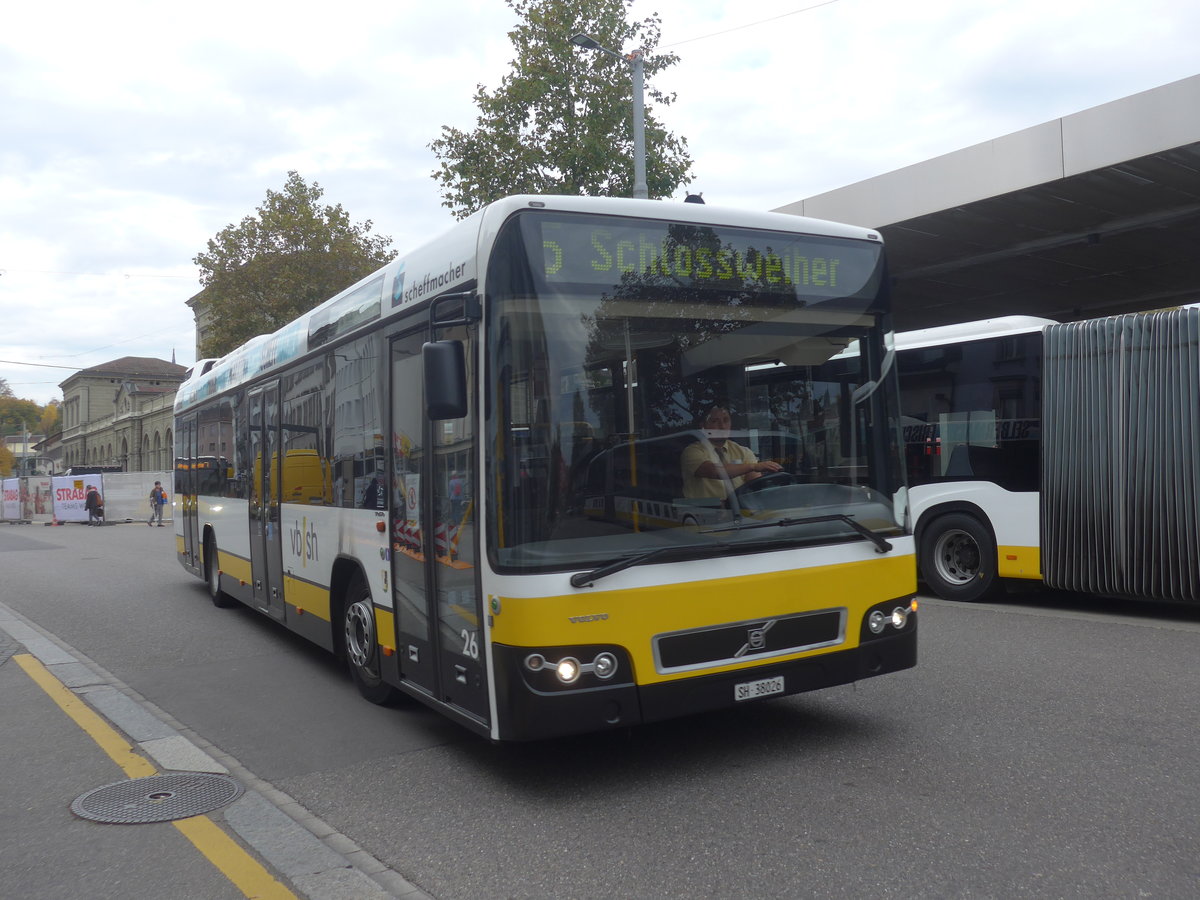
(445, 379)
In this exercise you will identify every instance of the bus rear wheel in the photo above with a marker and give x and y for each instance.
(958, 558)
(212, 575)
(361, 646)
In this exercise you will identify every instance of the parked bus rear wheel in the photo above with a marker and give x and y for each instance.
(361, 646)
(212, 575)
(958, 558)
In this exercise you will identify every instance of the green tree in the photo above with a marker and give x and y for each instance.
(7, 460)
(561, 120)
(5, 390)
(293, 254)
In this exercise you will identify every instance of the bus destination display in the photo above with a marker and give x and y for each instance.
(612, 252)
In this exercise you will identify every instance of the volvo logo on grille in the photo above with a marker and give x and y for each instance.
(756, 639)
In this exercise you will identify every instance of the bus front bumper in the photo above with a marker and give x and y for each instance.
(532, 714)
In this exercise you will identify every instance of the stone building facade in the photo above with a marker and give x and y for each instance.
(203, 317)
(119, 413)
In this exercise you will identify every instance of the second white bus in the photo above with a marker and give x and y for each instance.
(1066, 453)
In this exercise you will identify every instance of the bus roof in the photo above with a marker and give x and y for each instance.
(970, 331)
(665, 210)
(449, 262)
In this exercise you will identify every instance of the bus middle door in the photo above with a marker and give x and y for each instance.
(266, 541)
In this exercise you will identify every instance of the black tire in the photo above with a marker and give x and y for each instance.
(212, 575)
(958, 558)
(360, 645)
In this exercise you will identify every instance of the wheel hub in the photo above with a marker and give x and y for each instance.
(957, 557)
(360, 633)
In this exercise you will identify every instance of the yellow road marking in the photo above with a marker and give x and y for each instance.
(235, 863)
(246, 873)
(117, 748)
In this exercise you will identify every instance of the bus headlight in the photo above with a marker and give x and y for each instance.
(881, 621)
(876, 622)
(573, 666)
(567, 670)
(604, 665)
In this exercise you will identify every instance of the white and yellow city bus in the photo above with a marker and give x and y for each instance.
(1056, 452)
(465, 475)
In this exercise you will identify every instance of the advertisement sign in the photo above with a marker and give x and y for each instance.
(11, 507)
(35, 498)
(70, 494)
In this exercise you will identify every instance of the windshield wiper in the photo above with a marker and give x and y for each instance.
(585, 579)
(881, 545)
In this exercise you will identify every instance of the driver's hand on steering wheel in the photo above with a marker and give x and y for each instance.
(765, 467)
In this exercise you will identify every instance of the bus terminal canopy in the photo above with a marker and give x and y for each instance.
(1093, 214)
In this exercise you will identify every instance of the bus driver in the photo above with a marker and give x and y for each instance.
(706, 463)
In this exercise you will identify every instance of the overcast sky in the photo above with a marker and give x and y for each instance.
(131, 132)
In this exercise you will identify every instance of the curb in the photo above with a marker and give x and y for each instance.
(319, 862)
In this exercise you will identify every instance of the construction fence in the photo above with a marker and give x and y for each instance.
(61, 499)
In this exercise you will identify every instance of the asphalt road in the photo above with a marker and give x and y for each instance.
(1044, 747)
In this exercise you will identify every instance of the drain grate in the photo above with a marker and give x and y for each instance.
(158, 798)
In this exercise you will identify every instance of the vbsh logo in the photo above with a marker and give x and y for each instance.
(304, 541)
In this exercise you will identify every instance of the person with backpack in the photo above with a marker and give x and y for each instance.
(158, 499)
(94, 506)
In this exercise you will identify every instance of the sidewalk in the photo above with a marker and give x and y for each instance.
(68, 728)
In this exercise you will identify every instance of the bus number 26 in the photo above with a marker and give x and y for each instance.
(470, 641)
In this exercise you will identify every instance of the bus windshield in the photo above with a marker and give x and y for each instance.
(655, 385)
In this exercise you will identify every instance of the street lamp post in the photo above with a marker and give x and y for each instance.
(636, 61)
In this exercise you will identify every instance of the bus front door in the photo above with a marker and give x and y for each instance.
(266, 542)
(439, 612)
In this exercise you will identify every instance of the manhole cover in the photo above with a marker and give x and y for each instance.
(159, 798)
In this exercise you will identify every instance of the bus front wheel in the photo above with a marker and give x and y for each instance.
(361, 646)
(958, 558)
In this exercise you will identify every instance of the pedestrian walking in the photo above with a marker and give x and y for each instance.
(158, 499)
(94, 504)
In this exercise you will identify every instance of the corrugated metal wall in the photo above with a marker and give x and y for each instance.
(1121, 456)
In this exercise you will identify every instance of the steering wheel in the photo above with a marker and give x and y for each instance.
(765, 482)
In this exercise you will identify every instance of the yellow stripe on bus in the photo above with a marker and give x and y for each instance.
(1019, 562)
(385, 628)
(236, 567)
(312, 598)
(630, 617)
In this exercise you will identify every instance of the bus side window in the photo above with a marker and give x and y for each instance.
(358, 451)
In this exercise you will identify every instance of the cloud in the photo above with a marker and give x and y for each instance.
(134, 132)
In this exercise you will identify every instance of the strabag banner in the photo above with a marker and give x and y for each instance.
(70, 495)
